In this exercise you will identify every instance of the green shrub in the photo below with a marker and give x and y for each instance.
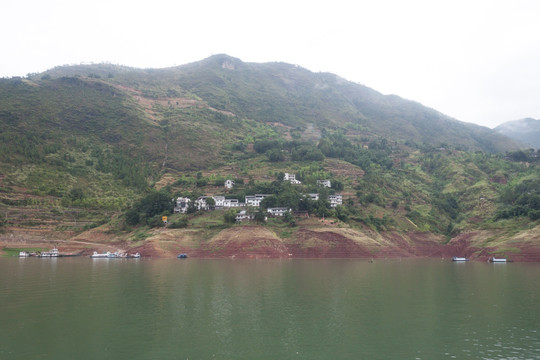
(180, 223)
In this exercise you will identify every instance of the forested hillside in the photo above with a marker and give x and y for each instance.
(99, 151)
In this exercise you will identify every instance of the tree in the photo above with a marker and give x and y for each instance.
(275, 155)
(201, 182)
(76, 194)
(306, 204)
(342, 213)
(323, 194)
(155, 203)
(230, 216)
(269, 201)
(289, 218)
(289, 197)
(260, 215)
(323, 208)
(262, 146)
(239, 146)
(192, 208)
(182, 222)
(154, 221)
(307, 153)
(210, 202)
(517, 156)
(337, 185)
(132, 216)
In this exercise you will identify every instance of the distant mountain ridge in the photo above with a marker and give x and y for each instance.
(296, 97)
(525, 130)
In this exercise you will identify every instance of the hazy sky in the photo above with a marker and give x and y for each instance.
(477, 61)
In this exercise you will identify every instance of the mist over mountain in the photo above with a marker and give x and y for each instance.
(296, 97)
(526, 131)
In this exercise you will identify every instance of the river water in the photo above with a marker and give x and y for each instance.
(81, 308)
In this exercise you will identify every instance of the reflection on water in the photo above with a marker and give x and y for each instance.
(302, 309)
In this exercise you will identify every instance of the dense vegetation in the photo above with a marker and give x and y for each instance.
(104, 143)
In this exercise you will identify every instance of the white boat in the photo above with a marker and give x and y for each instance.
(100, 255)
(51, 253)
(107, 255)
(495, 260)
(455, 258)
(135, 256)
(24, 254)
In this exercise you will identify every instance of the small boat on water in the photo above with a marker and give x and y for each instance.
(51, 253)
(498, 260)
(455, 258)
(104, 255)
(47, 254)
(182, 256)
(114, 255)
(69, 255)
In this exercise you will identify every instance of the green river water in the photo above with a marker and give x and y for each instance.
(82, 308)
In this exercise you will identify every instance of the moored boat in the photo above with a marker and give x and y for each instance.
(109, 255)
(498, 260)
(97, 255)
(69, 255)
(134, 256)
(455, 258)
(182, 256)
(51, 253)
(24, 254)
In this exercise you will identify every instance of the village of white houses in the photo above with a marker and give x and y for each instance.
(203, 203)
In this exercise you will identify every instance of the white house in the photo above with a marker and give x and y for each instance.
(219, 200)
(201, 203)
(251, 200)
(291, 178)
(229, 184)
(181, 205)
(244, 215)
(324, 183)
(277, 211)
(229, 203)
(255, 200)
(335, 200)
(314, 197)
(222, 202)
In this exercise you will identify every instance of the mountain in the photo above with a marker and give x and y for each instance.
(93, 155)
(151, 113)
(296, 97)
(526, 131)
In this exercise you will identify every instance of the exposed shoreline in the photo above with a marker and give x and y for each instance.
(257, 242)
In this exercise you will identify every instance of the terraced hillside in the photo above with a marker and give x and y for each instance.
(84, 149)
